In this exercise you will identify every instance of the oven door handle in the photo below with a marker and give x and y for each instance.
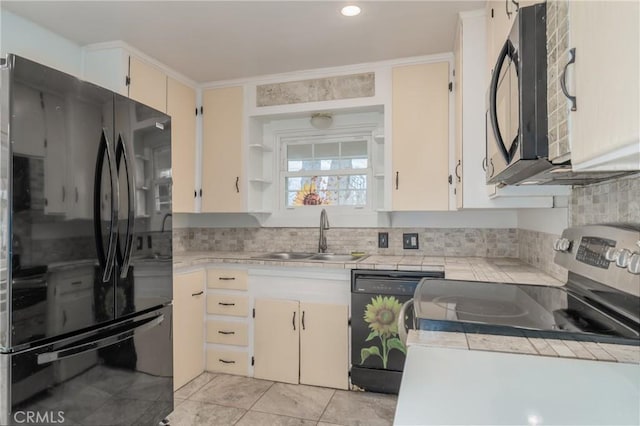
(111, 339)
(402, 331)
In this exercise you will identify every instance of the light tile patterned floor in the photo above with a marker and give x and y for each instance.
(220, 399)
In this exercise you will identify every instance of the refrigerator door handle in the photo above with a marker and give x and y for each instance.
(121, 153)
(111, 339)
(108, 263)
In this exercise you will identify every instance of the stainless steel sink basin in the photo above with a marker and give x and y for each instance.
(331, 257)
(317, 257)
(284, 255)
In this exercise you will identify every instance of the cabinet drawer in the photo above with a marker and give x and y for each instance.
(228, 304)
(227, 279)
(227, 332)
(228, 362)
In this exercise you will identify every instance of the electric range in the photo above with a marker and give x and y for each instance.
(599, 302)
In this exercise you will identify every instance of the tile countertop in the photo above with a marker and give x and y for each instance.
(506, 270)
(526, 345)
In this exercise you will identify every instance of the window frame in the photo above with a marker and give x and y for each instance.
(343, 136)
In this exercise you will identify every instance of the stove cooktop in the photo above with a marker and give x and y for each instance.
(516, 309)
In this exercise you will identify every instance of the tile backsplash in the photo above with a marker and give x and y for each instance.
(605, 202)
(535, 248)
(432, 241)
(557, 57)
(611, 201)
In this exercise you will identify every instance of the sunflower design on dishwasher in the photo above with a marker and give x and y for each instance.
(382, 316)
(308, 195)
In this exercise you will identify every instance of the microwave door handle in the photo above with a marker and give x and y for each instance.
(493, 100)
(121, 154)
(106, 262)
(111, 339)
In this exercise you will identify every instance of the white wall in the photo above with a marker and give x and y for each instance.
(26, 39)
(551, 221)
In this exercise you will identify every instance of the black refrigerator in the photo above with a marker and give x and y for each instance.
(85, 253)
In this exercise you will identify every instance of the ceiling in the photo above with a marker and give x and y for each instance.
(215, 40)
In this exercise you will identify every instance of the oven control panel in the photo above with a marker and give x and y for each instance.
(593, 251)
(608, 254)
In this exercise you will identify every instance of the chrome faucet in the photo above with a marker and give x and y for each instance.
(324, 225)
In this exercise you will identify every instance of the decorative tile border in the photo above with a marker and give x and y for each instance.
(316, 90)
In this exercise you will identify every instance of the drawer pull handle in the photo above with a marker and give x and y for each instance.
(225, 361)
(226, 332)
(198, 293)
(226, 278)
(76, 283)
(563, 79)
(226, 304)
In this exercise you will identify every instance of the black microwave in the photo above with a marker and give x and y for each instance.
(516, 118)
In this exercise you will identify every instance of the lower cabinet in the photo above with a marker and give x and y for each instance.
(228, 322)
(301, 342)
(188, 327)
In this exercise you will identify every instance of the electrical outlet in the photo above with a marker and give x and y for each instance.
(410, 241)
(383, 240)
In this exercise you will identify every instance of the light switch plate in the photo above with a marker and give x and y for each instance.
(410, 241)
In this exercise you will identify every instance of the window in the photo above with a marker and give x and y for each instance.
(334, 171)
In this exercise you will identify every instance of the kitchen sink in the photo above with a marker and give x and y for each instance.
(284, 255)
(318, 257)
(331, 257)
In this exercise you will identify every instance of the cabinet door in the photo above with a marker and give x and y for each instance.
(181, 101)
(457, 85)
(324, 345)
(147, 84)
(222, 138)
(277, 340)
(420, 121)
(188, 327)
(605, 124)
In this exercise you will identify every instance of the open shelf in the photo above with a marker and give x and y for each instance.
(261, 181)
(260, 147)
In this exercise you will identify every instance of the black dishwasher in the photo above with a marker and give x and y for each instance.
(377, 353)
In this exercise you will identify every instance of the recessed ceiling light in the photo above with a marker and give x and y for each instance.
(350, 10)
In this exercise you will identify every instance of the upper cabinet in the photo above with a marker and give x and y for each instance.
(181, 101)
(147, 84)
(420, 137)
(223, 176)
(120, 68)
(604, 126)
(500, 17)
